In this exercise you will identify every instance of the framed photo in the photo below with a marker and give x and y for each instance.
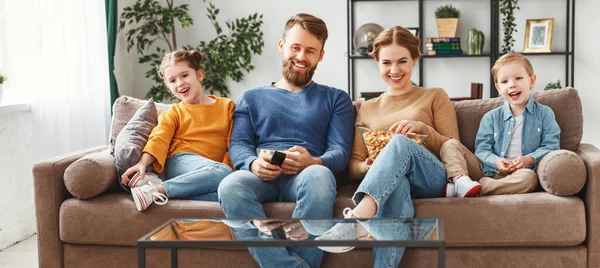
(413, 30)
(538, 35)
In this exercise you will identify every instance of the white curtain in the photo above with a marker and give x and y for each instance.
(57, 55)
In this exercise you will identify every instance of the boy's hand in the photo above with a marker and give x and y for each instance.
(264, 170)
(131, 171)
(406, 126)
(298, 158)
(505, 166)
(523, 161)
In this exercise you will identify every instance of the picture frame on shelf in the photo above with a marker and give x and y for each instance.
(538, 36)
(413, 30)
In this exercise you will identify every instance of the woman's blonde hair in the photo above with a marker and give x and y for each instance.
(511, 58)
(192, 58)
(399, 36)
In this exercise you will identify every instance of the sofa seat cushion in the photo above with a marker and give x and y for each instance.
(534, 219)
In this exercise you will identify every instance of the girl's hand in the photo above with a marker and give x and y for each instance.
(406, 126)
(131, 171)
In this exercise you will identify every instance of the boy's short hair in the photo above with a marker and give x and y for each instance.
(512, 58)
(310, 23)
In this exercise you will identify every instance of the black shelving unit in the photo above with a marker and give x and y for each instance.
(495, 46)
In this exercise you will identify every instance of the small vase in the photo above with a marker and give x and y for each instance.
(475, 42)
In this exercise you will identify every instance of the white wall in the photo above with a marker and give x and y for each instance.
(454, 75)
(16, 159)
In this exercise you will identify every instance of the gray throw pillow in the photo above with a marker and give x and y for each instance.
(131, 140)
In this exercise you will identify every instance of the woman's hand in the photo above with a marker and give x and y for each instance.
(367, 164)
(406, 126)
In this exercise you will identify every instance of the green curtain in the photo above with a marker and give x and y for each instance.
(111, 29)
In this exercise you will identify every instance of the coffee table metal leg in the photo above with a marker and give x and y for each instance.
(174, 258)
(441, 258)
(141, 257)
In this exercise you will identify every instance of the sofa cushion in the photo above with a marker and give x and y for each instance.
(534, 219)
(562, 172)
(564, 102)
(91, 175)
(123, 109)
(133, 137)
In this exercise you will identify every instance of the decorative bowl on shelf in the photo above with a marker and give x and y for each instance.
(364, 37)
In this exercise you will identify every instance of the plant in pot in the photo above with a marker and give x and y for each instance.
(2, 79)
(552, 85)
(152, 32)
(446, 18)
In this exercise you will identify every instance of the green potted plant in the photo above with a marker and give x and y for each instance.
(446, 18)
(151, 31)
(2, 79)
(552, 85)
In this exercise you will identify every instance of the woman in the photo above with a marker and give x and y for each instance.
(386, 189)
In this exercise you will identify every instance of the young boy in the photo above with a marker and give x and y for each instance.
(511, 141)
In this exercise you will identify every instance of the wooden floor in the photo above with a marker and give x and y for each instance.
(22, 255)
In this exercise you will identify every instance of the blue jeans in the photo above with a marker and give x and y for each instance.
(190, 176)
(416, 173)
(242, 194)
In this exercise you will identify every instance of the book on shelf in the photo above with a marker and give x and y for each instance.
(434, 40)
(444, 52)
(453, 46)
(476, 90)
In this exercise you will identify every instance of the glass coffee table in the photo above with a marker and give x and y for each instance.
(212, 233)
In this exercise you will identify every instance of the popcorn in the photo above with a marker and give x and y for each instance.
(376, 140)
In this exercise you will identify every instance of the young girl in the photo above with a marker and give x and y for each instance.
(190, 141)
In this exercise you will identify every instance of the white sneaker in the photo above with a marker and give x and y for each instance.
(136, 181)
(344, 231)
(144, 195)
(465, 187)
(451, 190)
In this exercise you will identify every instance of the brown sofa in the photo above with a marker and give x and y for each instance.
(528, 230)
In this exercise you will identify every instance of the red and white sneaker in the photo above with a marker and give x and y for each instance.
(451, 190)
(146, 194)
(465, 187)
(137, 181)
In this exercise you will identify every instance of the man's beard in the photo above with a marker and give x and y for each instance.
(296, 78)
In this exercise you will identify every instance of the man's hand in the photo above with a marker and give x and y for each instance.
(266, 226)
(295, 231)
(505, 166)
(406, 126)
(264, 170)
(298, 158)
(523, 162)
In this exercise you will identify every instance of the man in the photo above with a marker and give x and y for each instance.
(314, 123)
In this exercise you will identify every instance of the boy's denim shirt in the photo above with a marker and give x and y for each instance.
(541, 134)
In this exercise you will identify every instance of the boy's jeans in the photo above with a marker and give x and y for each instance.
(242, 194)
(191, 176)
(402, 169)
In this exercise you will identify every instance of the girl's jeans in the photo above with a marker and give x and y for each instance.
(190, 176)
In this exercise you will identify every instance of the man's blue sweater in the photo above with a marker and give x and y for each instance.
(318, 118)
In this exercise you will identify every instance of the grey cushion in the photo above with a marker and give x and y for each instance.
(562, 172)
(131, 140)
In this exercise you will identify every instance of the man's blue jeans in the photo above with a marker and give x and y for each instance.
(190, 176)
(242, 194)
(402, 170)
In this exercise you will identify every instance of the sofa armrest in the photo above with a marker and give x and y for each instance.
(49, 193)
(591, 196)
